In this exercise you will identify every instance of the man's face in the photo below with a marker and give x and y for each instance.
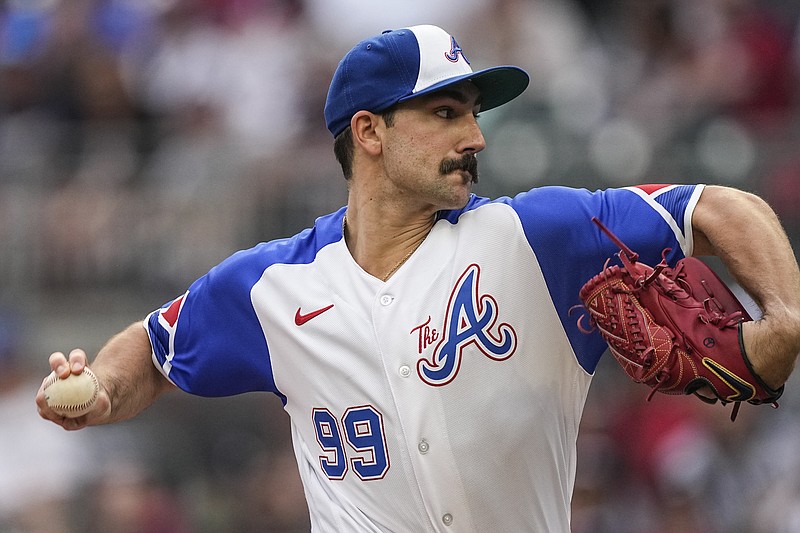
(429, 151)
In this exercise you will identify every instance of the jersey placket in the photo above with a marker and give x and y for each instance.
(418, 407)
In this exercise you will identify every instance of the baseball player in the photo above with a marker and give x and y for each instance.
(420, 337)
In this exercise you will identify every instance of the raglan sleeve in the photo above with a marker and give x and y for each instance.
(570, 249)
(209, 341)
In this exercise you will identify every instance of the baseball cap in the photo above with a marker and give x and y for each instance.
(398, 65)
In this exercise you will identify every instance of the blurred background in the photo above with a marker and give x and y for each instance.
(142, 141)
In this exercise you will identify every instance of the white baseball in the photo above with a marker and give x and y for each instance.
(72, 396)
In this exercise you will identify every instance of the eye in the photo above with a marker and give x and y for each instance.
(445, 112)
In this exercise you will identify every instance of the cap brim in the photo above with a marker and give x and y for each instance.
(498, 85)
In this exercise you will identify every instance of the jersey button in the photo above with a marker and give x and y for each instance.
(447, 519)
(405, 371)
(386, 300)
(423, 446)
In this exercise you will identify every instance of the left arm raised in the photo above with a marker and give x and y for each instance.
(743, 231)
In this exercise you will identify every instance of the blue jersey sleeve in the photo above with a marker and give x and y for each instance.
(209, 341)
(571, 249)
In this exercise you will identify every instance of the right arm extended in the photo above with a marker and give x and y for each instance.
(129, 381)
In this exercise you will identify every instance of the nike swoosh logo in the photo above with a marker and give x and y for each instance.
(300, 318)
(743, 390)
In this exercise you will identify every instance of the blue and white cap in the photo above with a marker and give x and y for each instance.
(398, 65)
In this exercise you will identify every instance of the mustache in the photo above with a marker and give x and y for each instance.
(467, 163)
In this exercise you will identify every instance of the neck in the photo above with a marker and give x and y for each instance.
(381, 246)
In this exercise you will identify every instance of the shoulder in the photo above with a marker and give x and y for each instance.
(651, 217)
(540, 199)
(544, 210)
(249, 265)
(300, 248)
(565, 203)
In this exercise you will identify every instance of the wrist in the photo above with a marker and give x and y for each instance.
(772, 345)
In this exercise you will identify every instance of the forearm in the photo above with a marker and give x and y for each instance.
(746, 235)
(125, 369)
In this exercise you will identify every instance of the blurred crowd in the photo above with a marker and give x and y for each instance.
(142, 141)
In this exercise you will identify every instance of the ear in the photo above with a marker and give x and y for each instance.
(365, 127)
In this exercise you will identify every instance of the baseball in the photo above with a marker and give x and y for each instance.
(73, 396)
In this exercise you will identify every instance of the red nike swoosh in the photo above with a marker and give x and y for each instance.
(300, 318)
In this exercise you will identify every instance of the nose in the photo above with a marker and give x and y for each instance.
(473, 141)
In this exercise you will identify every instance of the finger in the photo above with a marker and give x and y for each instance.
(77, 360)
(59, 364)
(69, 424)
(100, 411)
(45, 411)
(72, 424)
(41, 403)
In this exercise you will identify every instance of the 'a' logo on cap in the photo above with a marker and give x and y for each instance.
(452, 55)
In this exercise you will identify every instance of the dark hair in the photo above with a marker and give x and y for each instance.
(343, 147)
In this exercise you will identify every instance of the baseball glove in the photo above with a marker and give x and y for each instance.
(676, 329)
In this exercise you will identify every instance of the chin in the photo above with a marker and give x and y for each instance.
(457, 192)
(460, 201)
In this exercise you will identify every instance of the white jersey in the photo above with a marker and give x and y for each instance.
(447, 398)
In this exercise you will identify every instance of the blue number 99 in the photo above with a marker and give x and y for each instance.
(363, 431)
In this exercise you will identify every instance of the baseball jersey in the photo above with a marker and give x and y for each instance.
(447, 398)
